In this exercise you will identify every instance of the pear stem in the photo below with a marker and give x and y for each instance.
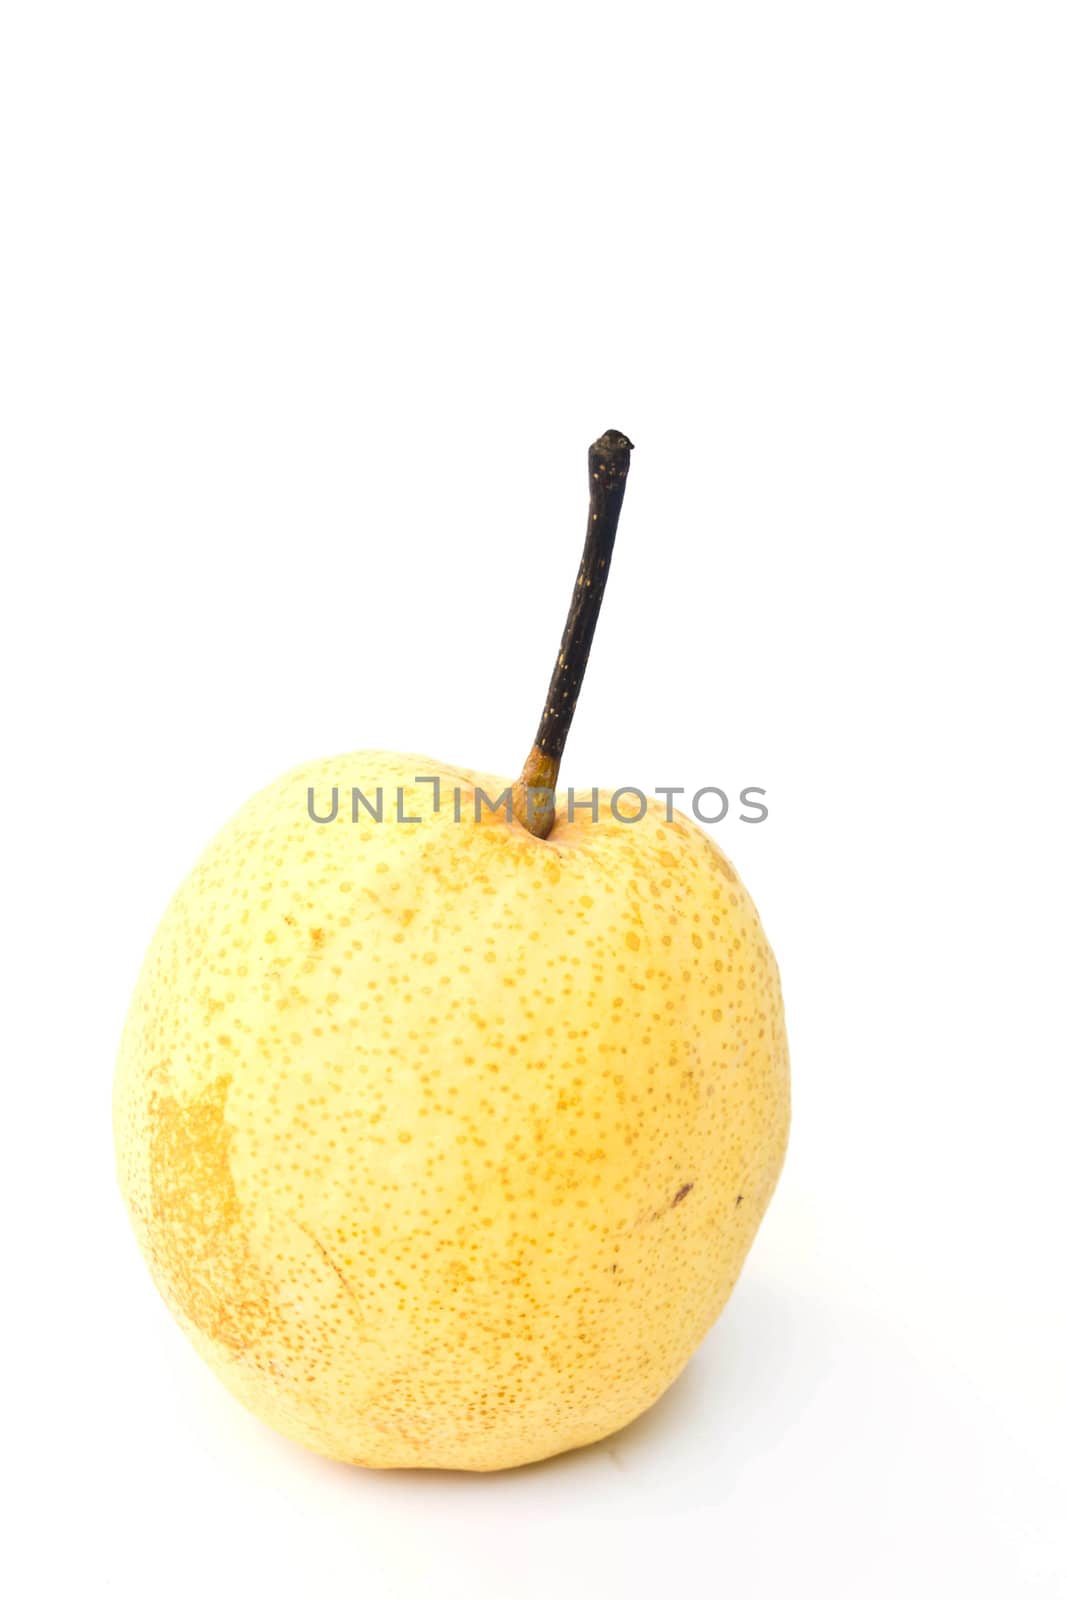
(533, 799)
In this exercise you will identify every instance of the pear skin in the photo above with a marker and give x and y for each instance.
(445, 1143)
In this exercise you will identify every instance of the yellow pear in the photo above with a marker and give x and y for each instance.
(445, 1139)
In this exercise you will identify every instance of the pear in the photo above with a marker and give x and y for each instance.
(445, 1141)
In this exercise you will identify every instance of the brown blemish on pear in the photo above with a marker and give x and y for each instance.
(196, 1241)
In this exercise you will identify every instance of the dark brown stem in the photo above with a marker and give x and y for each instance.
(534, 797)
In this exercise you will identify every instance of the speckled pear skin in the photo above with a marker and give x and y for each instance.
(445, 1144)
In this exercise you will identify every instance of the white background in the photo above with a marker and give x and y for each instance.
(309, 315)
